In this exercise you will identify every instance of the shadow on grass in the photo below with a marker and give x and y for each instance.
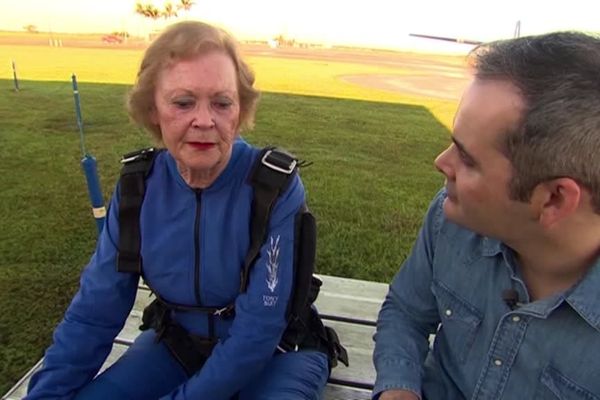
(369, 186)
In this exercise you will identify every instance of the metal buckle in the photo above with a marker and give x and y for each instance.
(287, 171)
(136, 155)
(220, 311)
(281, 349)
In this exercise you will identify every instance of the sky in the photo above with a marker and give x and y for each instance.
(365, 23)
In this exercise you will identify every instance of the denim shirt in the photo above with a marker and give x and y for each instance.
(451, 286)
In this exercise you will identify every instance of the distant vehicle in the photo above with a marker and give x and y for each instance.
(112, 39)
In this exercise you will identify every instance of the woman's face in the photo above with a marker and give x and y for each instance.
(198, 110)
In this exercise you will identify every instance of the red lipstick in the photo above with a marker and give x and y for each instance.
(201, 145)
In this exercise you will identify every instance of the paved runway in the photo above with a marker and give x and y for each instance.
(434, 76)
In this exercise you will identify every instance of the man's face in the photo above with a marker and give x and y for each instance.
(477, 173)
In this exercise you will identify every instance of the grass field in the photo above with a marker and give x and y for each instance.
(370, 182)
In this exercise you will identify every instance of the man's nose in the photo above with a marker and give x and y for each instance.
(443, 164)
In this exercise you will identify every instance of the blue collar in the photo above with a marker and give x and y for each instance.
(584, 297)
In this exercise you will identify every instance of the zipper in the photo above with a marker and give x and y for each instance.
(197, 246)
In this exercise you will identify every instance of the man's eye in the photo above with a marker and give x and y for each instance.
(466, 160)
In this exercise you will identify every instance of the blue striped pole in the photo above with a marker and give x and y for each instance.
(89, 165)
(15, 80)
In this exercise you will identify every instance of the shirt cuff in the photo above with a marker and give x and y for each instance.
(399, 375)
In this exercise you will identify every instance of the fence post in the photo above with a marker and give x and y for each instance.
(15, 80)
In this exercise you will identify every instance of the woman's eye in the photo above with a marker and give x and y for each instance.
(222, 104)
(183, 103)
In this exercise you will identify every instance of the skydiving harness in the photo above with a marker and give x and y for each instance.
(271, 174)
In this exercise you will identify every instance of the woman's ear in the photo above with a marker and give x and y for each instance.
(556, 199)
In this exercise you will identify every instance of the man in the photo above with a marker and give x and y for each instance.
(506, 268)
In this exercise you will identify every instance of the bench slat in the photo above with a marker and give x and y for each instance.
(356, 338)
(341, 297)
(332, 392)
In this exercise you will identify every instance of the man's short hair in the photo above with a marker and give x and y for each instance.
(558, 75)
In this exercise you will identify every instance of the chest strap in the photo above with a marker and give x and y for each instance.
(270, 176)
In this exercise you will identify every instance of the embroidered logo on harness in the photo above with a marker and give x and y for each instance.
(272, 271)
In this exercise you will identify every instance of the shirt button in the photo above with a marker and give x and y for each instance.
(448, 312)
(516, 318)
(497, 362)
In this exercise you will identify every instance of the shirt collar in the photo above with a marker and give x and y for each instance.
(491, 247)
(585, 296)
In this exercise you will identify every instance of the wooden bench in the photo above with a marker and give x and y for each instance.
(348, 305)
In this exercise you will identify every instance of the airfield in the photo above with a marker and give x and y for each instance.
(433, 76)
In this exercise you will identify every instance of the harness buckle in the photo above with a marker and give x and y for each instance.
(282, 350)
(279, 161)
(137, 155)
(224, 312)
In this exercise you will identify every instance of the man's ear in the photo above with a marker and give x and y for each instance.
(556, 199)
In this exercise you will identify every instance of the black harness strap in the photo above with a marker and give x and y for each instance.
(270, 177)
(136, 167)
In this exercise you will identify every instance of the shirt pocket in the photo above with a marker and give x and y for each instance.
(459, 322)
(554, 385)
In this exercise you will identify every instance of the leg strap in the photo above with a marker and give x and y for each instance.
(191, 351)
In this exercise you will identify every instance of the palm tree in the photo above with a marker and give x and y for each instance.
(140, 9)
(169, 11)
(147, 10)
(152, 12)
(185, 5)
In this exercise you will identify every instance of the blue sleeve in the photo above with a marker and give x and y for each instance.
(97, 313)
(409, 314)
(260, 312)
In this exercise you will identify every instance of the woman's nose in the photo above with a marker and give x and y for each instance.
(203, 117)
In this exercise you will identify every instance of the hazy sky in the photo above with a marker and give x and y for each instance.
(378, 23)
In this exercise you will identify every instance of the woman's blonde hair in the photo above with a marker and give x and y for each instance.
(181, 41)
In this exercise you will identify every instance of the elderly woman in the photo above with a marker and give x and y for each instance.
(214, 332)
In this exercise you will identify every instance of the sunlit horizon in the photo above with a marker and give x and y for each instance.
(375, 23)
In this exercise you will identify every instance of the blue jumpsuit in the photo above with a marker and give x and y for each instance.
(193, 246)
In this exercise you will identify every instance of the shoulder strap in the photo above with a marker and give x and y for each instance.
(136, 167)
(272, 173)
